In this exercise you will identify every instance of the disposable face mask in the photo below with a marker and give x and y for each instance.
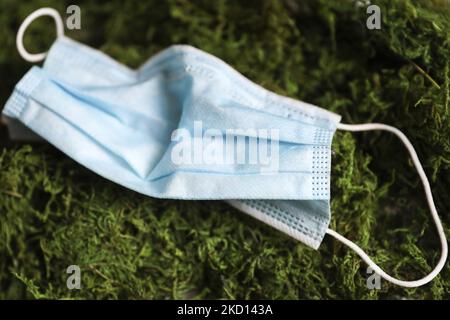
(151, 130)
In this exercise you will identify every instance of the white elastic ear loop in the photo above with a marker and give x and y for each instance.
(28, 20)
(434, 214)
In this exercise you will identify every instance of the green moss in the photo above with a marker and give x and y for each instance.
(54, 213)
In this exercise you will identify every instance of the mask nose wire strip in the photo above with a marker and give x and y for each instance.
(429, 196)
(30, 57)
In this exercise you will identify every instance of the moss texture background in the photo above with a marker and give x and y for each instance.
(54, 213)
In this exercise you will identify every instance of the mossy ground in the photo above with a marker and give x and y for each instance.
(54, 213)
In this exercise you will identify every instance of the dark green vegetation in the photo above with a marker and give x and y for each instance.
(54, 213)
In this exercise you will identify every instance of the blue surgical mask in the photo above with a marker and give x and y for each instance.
(188, 126)
(305, 220)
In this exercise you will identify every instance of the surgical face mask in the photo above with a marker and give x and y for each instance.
(187, 126)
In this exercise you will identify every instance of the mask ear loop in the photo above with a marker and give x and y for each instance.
(434, 214)
(28, 20)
